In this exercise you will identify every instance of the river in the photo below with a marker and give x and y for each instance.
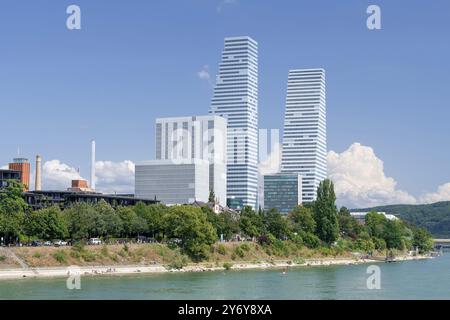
(423, 279)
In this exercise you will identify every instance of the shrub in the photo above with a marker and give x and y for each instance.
(88, 256)
(37, 255)
(221, 249)
(227, 265)
(245, 247)
(298, 260)
(239, 251)
(2, 258)
(60, 256)
(233, 256)
(104, 251)
(178, 263)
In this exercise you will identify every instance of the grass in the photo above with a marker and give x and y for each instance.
(149, 254)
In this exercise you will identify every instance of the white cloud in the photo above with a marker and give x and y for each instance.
(57, 175)
(115, 177)
(204, 74)
(111, 177)
(224, 3)
(442, 194)
(360, 181)
(5, 167)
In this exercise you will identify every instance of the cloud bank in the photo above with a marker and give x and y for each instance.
(111, 177)
(358, 175)
(360, 181)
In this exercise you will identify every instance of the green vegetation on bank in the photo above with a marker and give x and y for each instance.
(194, 231)
(434, 217)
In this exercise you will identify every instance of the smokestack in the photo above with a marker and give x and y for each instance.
(37, 182)
(93, 165)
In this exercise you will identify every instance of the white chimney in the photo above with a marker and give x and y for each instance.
(93, 165)
(37, 182)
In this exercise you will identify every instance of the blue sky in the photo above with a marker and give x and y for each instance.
(133, 61)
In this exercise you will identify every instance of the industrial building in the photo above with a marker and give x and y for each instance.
(23, 166)
(282, 191)
(181, 182)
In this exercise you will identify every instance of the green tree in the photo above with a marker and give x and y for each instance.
(81, 219)
(153, 216)
(375, 224)
(251, 224)
(393, 235)
(46, 224)
(132, 224)
(423, 240)
(325, 212)
(191, 226)
(276, 224)
(348, 226)
(111, 224)
(302, 219)
(12, 211)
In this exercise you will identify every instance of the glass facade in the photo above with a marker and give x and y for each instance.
(282, 192)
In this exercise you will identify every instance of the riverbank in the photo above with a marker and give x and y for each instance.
(118, 260)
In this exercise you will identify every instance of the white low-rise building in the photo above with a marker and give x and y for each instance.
(361, 216)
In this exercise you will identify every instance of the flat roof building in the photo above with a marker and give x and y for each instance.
(6, 175)
(181, 139)
(282, 191)
(181, 182)
(22, 165)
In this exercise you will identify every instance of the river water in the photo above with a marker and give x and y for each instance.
(424, 279)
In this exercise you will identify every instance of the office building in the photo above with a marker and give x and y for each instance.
(304, 138)
(282, 192)
(200, 137)
(22, 165)
(180, 182)
(236, 98)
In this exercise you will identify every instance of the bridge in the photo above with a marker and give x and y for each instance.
(442, 244)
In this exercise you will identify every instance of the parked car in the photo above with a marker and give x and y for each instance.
(94, 241)
(48, 243)
(36, 243)
(60, 243)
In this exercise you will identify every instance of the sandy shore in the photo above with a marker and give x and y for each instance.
(59, 272)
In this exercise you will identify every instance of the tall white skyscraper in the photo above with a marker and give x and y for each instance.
(305, 136)
(195, 138)
(236, 98)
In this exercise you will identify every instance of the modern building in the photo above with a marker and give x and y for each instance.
(22, 165)
(180, 182)
(6, 175)
(361, 216)
(200, 137)
(304, 137)
(236, 98)
(64, 199)
(282, 192)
